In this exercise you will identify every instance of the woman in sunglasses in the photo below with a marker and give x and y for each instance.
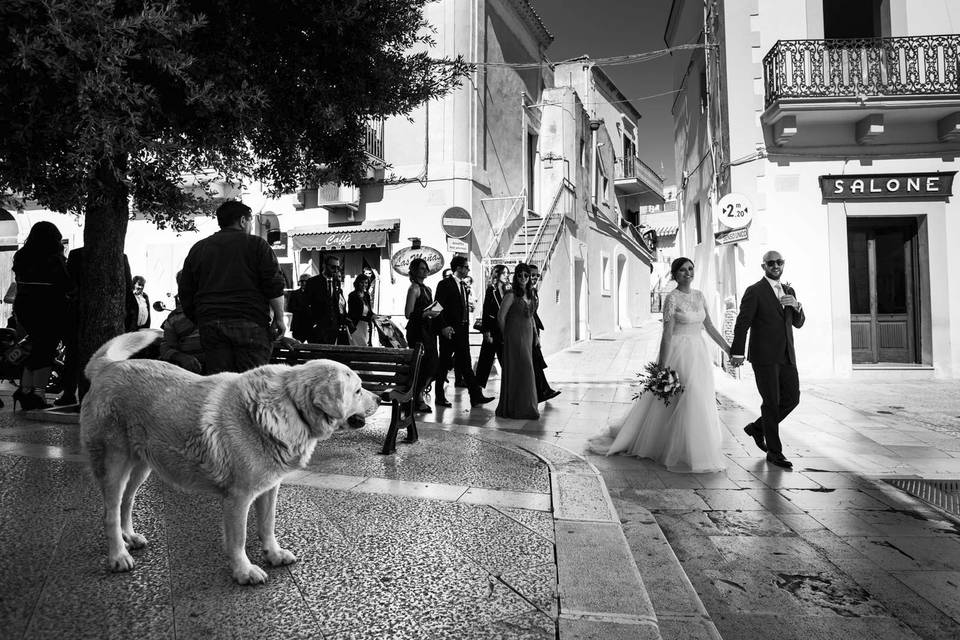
(518, 387)
(684, 435)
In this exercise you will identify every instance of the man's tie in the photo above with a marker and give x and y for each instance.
(779, 290)
(463, 301)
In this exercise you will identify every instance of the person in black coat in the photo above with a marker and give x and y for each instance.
(770, 312)
(544, 391)
(454, 329)
(360, 312)
(142, 321)
(299, 308)
(492, 338)
(328, 308)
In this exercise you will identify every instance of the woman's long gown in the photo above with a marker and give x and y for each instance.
(518, 386)
(685, 436)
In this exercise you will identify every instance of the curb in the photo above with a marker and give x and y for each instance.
(600, 589)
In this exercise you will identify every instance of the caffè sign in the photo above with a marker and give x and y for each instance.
(888, 186)
(400, 262)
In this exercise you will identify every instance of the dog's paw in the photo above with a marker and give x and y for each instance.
(279, 557)
(134, 540)
(249, 574)
(120, 562)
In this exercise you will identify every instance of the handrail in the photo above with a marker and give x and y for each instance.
(565, 185)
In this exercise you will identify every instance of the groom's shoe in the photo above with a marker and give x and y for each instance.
(779, 460)
(756, 433)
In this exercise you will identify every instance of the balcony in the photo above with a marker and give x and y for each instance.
(854, 93)
(636, 183)
(373, 145)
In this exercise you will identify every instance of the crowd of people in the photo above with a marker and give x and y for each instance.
(230, 308)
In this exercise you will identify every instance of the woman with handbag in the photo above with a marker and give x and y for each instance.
(420, 311)
(492, 338)
(360, 312)
(40, 307)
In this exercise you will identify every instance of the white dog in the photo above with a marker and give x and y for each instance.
(232, 434)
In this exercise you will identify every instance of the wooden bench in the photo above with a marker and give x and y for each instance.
(390, 373)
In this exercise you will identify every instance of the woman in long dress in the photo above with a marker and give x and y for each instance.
(684, 436)
(518, 386)
(420, 331)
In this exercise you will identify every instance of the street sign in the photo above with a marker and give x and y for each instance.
(734, 211)
(456, 222)
(455, 245)
(732, 236)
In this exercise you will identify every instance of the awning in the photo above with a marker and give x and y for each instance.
(363, 236)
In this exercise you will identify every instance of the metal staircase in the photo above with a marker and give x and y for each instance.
(536, 239)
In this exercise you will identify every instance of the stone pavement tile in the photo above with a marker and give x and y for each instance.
(782, 554)
(583, 628)
(908, 522)
(928, 621)
(910, 553)
(845, 523)
(729, 499)
(800, 522)
(410, 489)
(716, 481)
(679, 480)
(580, 497)
(687, 628)
(830, 545)
(37, 500)
(747, 523)
(835, 479)
(808, 627)
(526, 626)
(597, 574)
(773, 500)
(777, 478)
(539, 522)
(206, 600)
(82, 598)
(537, 585)
(655, 500)
(836, 499)
(515, 499)
(940, 588)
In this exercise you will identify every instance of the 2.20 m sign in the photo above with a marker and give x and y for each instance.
(734, 211)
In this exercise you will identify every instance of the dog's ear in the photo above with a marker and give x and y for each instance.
(328, 387)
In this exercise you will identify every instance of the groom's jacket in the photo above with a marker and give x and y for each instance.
(770, 325)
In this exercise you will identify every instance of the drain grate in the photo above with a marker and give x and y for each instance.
(943, 494)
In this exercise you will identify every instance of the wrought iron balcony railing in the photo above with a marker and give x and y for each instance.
(871, 67)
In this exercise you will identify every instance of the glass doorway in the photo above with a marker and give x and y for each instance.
(884, 287)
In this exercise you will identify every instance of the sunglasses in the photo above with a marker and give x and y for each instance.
(774, 263)
(524, 275)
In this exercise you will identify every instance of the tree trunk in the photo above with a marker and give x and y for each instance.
(103, 290)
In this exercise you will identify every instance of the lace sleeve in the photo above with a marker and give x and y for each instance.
(669, 307)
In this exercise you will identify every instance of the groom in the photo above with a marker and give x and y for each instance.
(770, 311)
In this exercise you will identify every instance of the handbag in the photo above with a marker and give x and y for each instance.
(478, 324)
(19, 352)
(11, 293)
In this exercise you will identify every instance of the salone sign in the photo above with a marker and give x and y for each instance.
(888, 186)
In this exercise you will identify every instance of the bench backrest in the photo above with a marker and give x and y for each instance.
(380, 369)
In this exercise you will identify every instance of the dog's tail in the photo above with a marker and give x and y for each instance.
(120, 348)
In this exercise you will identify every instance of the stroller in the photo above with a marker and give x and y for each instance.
(389, 333)
(12, 372)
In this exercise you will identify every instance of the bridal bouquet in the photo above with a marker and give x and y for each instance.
(660, 381)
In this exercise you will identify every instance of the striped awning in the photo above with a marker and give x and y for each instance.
(363, 236)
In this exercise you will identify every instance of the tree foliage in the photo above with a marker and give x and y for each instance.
(109, 102)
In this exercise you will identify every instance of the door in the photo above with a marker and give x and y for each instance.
(883, 289)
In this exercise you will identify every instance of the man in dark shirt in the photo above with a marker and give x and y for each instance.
(230, 284)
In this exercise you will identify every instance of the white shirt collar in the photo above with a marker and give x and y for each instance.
(774, 283)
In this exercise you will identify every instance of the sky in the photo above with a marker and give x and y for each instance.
(601, 28)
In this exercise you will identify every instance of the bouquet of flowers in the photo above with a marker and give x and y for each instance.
(660, 381)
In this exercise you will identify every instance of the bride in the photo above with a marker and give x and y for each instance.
(684, 436)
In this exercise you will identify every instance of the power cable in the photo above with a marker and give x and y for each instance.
(611, 61)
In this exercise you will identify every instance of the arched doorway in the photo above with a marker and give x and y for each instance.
(623, 313)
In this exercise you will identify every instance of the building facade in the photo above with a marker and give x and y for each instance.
(836, 133)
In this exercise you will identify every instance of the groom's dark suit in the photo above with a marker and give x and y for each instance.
(771, 353)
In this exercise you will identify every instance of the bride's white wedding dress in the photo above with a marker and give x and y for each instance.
(685, 436)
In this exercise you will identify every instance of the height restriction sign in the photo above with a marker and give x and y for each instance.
(456, 222)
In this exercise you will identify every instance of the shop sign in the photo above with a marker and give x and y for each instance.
(400, 262)
(734, 211)
(888, 186)
(456, 222)
(732, 236)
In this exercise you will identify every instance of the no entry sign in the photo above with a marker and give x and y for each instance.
(456, 222)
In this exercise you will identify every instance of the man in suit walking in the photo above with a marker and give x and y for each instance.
(454, 330)
(328, 307)
(544, 392)
(770, 311)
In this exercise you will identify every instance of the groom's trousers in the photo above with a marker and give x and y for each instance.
(779, 387)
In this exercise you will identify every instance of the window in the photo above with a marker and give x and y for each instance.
(851, 19)
(583, 152)
(605, 275)
(696, 221)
